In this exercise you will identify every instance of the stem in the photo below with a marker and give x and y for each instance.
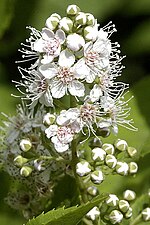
(75, 160)
(137, 220)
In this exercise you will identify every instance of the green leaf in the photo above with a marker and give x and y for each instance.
(61, 216)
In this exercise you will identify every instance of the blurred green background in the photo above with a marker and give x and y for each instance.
(132, 20)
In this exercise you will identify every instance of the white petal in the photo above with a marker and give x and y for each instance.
(76, 88)
(47, 59)
(47, 34)
(46, 99)
(48, 70)
(60, 147)
(39, 45)
(81, 70)
(90, 77)
(58, 89)
(66, 59)
(51, 131)
(95, 93)
(60, 34)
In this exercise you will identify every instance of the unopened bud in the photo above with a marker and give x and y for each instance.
(97, 177)
(81, 18)
(25, 171)
(146, 214)
(115, 217)
(95, 142)
(123, 206)
(112, 200)
(20, 161)
(90, 19)
(52, 22)
(109, 148)
(92, 190)
(131, 151)
(133, 167)
(121, 145)
(104, 132)
(49, 119)
(90, 33)
(128, 214)
(129, 195)
(122, 168)
(93, 214)
(25, 145)
(75, 42)
(111, 161)
(98, 154)
(72, 10)
(83, 168)
(66, 24)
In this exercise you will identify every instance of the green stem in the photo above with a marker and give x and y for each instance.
(137, 220)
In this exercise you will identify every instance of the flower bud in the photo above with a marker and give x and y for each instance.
(112, 200)
(109, 148)
(97, 177)
(72, 10)
(49, 119)
(25, 171)
(90, 33)
(104, 132)
(20, 161)
(123, 206)
(95, 142)
(39, 165)
(52, 22)
(111, 161)
(129, 195)
(122, 168)
(25, 145)
(133, 167)
(115, 217)
(131, 151)
(90, 19)
(146, 214)
(66, 24)
(81, 18)
(93, 214)
(98, 154)
(93, 191)
(83, 168)
(128, 214)
(75, 42)
(121, 145)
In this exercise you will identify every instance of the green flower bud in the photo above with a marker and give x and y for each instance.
(93, 191)
(128, 214)
(121, 145)
(112, 200)
(25, 171)
(56, 15)
(52, 22)
(20, 161)
(111, 161)
(146, 214)
(90, 19)
(98, 154)
(109, 148)
(115, 217)
(93, 214)
(129, 195)
(72, 10)
(80, 18)
(83, 168)
(122, 168)
(95, 142)
(133, 167)
(131, 151)
(97, 177)
(66, 24)
(104, 132)
(49, 119)
(25, 145)
(90, 33)
(123, 206)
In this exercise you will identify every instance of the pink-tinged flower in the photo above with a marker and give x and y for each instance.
(60, 136)
(63, 77)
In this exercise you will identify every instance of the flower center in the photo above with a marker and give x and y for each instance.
(65, 75)
(64, 134)
(51, 46)
(91, 58)
(88, 113)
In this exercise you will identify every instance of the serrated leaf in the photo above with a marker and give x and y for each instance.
(61, 216)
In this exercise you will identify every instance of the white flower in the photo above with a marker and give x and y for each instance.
(93, 213)
(75, 42)
(60, 137)
(49, 44)
(83, 168)
(64, 76)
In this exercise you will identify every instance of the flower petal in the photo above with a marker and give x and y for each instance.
(48, 70)
(47, 34)
(51, 131)
(76, 88)
(60, 34)
(66, 59)
(58, 89)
